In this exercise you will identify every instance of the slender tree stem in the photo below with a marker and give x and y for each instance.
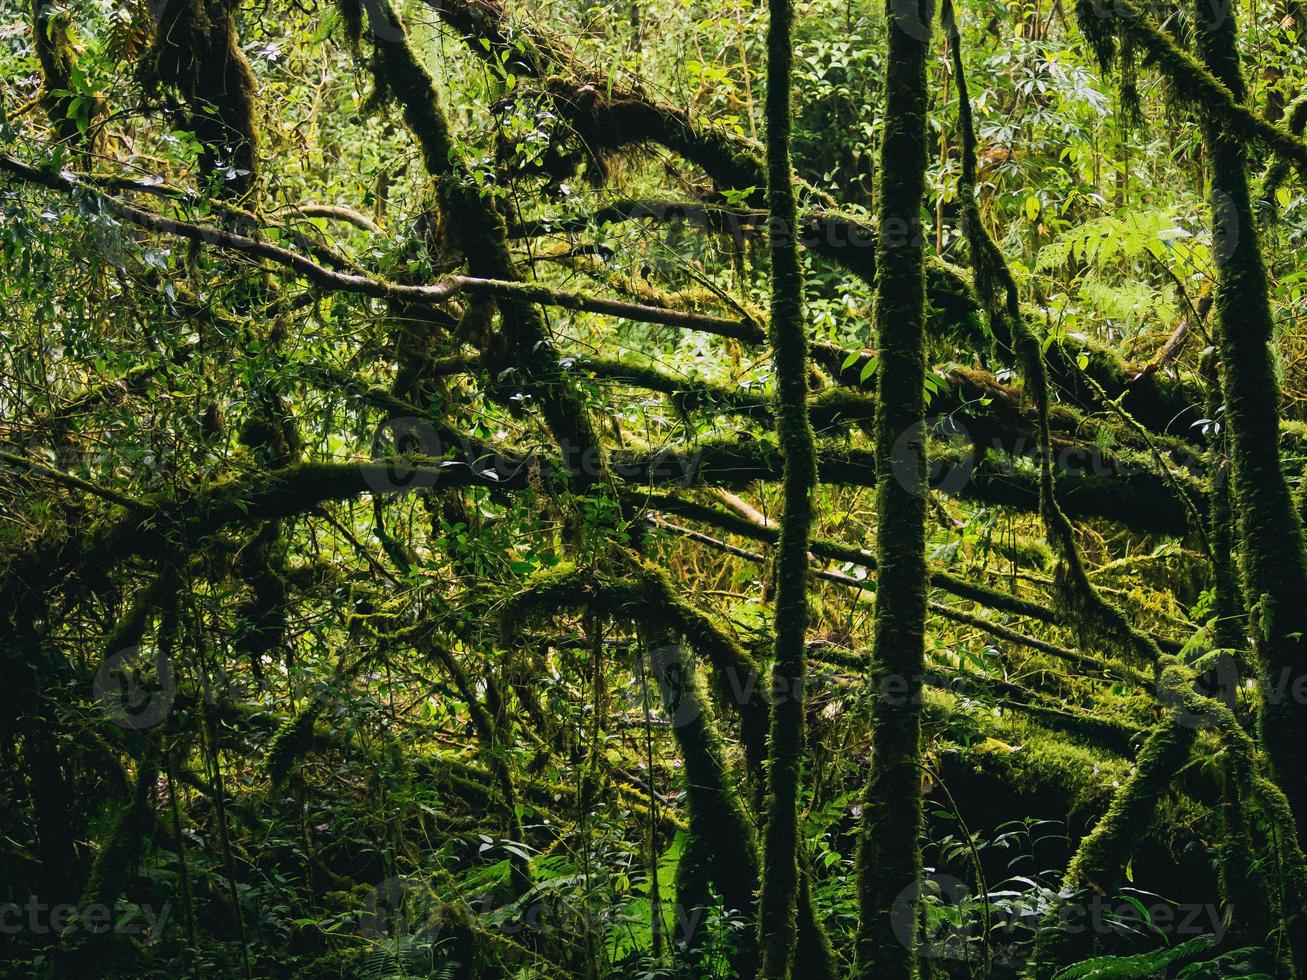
(776, 907)
(889, 856)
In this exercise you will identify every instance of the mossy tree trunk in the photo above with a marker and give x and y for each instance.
(53, 43)
(1100, 860)
(1228, 604)
(722, 853)
(1272, 557)
(776, 906)
(889, 858)
(197, 51)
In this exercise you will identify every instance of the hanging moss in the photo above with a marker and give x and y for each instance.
(1100, 620)
(475, 229)
(292, 740)
(648, 597)
(493, 749)
(1098, 31)
(261, 617)
(197, 51)
(1209, 88)
(722, 855)
(1277, 172)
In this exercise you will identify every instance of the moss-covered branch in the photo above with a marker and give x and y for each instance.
(1211, 90)
(644, 594)
(337, 281)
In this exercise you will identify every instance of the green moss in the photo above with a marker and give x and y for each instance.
(1099, 862)
(1100, 619)
(1029, 760)
(723, 852)
(197, 51)
(57, 54)
(777, 925)
(291, 741)
(889, 859)
(645, 595)
(1271, 544)
(1278, 171)
(724, 856)
(473, 227)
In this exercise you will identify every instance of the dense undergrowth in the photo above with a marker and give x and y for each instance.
(407, 453)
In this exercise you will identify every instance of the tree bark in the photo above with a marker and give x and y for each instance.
(889, 858)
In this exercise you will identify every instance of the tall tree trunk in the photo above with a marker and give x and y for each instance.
(776, 905)
(889, 859)
(196, 49)
(53, 43)
(722, 851)
(1274, 564)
